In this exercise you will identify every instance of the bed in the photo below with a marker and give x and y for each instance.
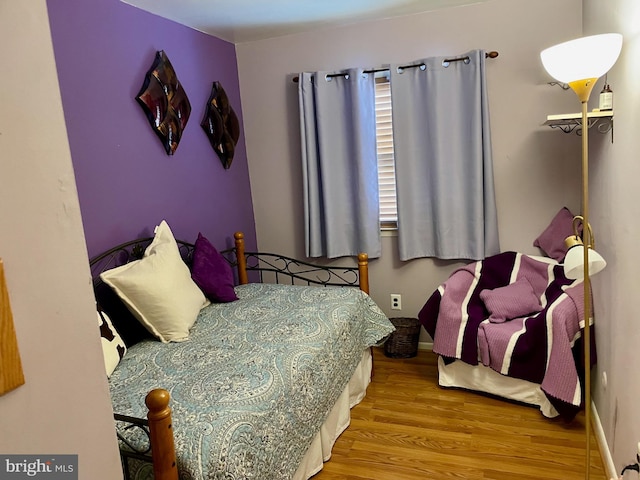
(510, 325)
(258, 386)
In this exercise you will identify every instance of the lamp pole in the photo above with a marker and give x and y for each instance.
(586, 234)
(583, 88)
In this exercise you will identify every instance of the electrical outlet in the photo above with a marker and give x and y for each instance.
(396, 301)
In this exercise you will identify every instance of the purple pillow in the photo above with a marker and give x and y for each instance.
(551, 240)
(212, 273)
(512, 301)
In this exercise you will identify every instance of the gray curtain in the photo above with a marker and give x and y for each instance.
(339, 164)
(444, 168)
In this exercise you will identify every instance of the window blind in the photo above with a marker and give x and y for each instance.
(386, 166)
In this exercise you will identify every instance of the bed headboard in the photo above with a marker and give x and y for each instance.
(249, 266)
(260, 266)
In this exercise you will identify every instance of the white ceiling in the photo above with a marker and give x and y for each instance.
(240, 21)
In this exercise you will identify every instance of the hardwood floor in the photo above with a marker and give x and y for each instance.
(408, 427)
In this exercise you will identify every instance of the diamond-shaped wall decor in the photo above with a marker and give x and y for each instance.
(164, 102)
(221, 125)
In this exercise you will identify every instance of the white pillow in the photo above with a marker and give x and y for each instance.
(158, 289)
(113, 347)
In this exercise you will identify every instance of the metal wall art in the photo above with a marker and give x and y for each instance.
(164, 102)
(221, 125)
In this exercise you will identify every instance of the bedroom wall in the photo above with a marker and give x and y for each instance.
(126, 182)
(63, 407)
(534, 166)
(613, 174)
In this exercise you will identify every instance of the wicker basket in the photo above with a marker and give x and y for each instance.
(403, 343)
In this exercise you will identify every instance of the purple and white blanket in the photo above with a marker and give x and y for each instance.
(538, 347)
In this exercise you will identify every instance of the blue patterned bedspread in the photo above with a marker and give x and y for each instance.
(256, 379)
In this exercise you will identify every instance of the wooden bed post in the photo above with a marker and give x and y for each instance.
(243, 279)
(363, 271)
(163, 450)
(363, 275)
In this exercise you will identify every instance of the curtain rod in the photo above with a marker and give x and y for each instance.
(492, 54)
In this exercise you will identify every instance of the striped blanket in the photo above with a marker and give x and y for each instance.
(541, 347)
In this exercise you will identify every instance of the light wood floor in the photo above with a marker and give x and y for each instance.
(408, 427)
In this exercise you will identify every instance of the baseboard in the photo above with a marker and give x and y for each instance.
(607, 459)
(425, 345)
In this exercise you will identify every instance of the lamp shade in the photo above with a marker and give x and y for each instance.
(574, 262)
(586, 57)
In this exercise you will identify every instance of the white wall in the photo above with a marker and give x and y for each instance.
(64, 406)
(614, 172)
(534, 165)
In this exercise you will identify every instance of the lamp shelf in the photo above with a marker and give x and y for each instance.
(569, 122)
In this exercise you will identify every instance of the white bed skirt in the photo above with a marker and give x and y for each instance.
(337, 421)
(484, 379)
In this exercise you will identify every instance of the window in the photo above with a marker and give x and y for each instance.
(386, 167)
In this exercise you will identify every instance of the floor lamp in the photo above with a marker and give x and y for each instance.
(579, 63)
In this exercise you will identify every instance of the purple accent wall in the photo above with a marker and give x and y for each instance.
(126, 182)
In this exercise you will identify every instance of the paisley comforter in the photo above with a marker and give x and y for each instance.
(256, 378)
